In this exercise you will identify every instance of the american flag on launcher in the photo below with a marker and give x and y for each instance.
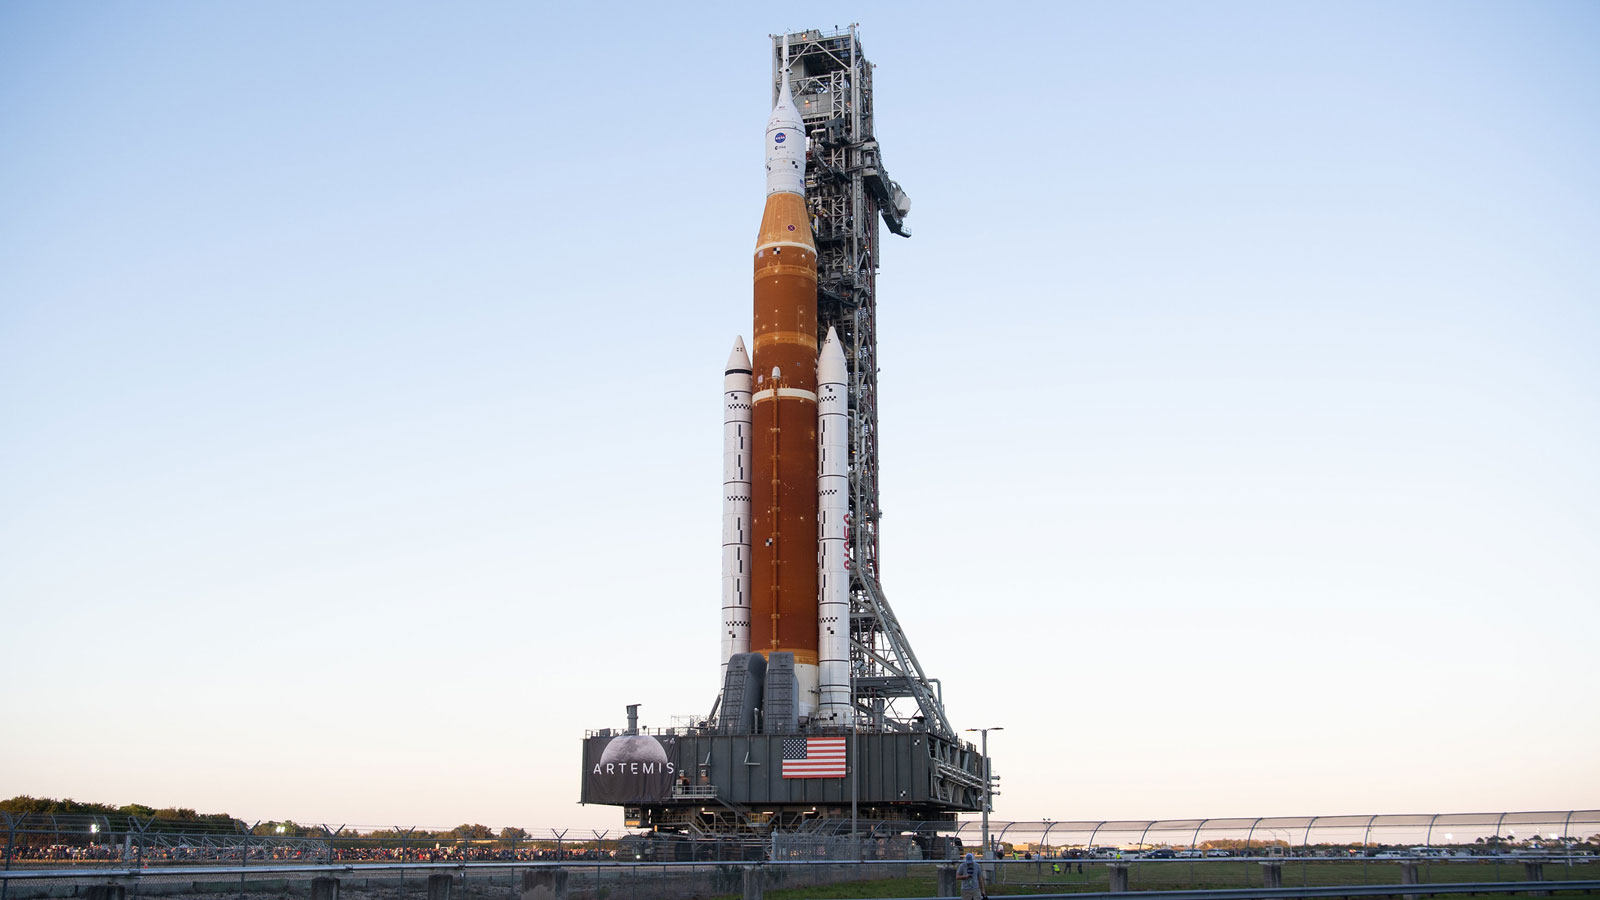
(813, 757)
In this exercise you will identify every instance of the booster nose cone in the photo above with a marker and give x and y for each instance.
(786, 145)
(830, 363)
(738, 360)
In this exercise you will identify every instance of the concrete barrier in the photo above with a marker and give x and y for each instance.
(1410, 873)
(324, 889)
(1118, 873)
(543, 884)
(1533, 870)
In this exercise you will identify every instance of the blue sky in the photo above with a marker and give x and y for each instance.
(360, 374)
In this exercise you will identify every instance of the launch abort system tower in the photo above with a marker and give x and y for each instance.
(845, 726)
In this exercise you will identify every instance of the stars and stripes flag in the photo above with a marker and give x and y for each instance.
(813, 757)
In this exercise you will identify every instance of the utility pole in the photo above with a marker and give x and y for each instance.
(988, 782)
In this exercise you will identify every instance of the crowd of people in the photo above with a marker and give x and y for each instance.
(65, 853)
(307, 852)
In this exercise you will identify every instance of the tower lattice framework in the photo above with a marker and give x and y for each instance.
(849, 191)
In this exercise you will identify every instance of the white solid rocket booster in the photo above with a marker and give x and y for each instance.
(833, 507)
(735, 507)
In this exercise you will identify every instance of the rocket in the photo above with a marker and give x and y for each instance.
(785, 578)
(783, 412)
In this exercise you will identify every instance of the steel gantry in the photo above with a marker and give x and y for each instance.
(848, 191)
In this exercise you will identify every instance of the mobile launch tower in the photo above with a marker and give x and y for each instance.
(847, 191)
(845, 726)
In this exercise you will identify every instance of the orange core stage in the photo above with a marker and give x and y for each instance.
(783, 507)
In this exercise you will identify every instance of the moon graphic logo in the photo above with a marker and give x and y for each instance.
(633, 748)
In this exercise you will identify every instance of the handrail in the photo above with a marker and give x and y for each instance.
(357, 869)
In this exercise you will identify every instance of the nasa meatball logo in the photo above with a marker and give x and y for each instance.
(779, 138)
(634, 755)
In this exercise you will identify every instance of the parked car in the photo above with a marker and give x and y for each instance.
(1214, 854)
(1189, 854)
(1159, 853)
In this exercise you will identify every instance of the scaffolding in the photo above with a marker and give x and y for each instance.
(848, 191)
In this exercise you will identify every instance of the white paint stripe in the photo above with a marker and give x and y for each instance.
(786, 244)
(785, 392)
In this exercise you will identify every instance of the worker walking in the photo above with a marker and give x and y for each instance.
(970, 876)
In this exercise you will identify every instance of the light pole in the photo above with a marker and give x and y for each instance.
(988, 780)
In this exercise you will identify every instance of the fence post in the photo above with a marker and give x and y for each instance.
(1409, 875)
(1533, 870)
(1272, 874)
(755, 883)
(11, 839)
(244, 855)
(947, 882)
(1118, 873)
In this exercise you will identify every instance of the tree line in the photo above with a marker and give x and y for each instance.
(25, 805)
(177, 818)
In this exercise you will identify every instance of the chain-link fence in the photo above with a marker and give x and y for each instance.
(668, 881)
(1429, 834)
(50, 856)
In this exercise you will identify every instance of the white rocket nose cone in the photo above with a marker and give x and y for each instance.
(738, 359)
(786, 145)
(830, 362)
(784, 114)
